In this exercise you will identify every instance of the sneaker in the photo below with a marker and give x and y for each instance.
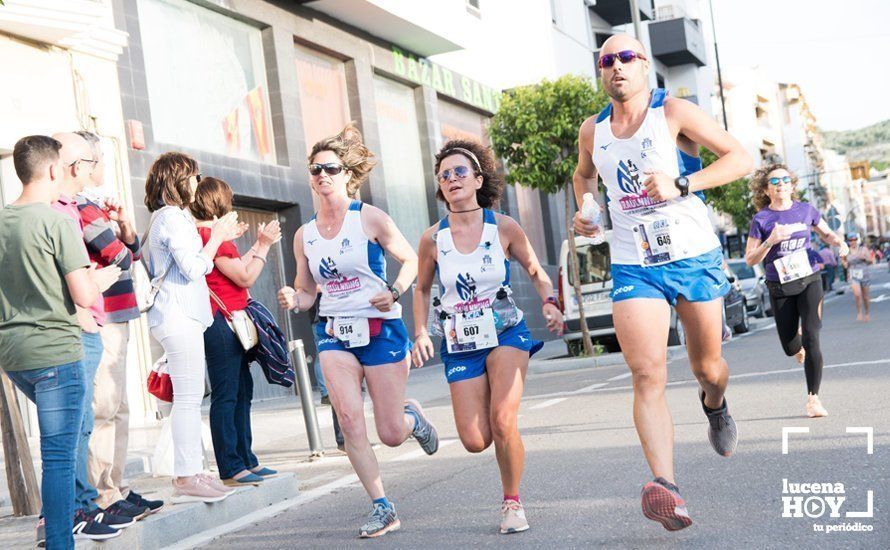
(85, 528)
(128, 509)
(424, 432)
(662, 502)
(216, 484)
(513, 517)
(722, 432)
(112, 520)
(325, 399)
(381, 521)
(195, 489)
(41, 533)
(726, 334)
(814, 407)
(153, 505)
(249, 479)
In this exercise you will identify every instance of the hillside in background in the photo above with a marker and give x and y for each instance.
(871, 143)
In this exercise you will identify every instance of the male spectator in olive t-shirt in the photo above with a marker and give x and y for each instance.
(45, 273)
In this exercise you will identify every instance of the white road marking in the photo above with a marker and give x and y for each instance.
(417, 453)
(621, 376)
(548, 403)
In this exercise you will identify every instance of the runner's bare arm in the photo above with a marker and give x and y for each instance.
(584, 180)
(302, 295)
(520, 248)
(732, 161)
(832, 238)
(426, 272)
(380, 227)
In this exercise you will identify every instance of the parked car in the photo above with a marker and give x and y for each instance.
(735, 306)
(595, 269)
(753, 281)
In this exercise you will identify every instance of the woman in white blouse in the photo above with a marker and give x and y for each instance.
(181, 310)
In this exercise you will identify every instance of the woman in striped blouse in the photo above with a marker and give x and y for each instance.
(181, 311)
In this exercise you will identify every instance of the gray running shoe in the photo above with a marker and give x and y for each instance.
(722, 432)
(381, 521)
(424, 431)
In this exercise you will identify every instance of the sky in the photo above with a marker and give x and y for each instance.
(837, 51)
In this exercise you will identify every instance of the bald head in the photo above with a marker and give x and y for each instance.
(74, 147)
(621, 42)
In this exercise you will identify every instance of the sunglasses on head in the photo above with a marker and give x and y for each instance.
(625, 56)
(777, 181)
(330, 168)
(459, 171)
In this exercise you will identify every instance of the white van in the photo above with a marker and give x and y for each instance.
(595, 268)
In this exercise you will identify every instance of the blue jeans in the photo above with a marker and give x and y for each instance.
(231, 390)
(58, 393)
(84, 492)
(319, 376)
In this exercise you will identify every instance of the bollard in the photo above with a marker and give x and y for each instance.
(301, 369)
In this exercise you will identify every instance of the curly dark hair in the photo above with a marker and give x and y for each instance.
(350, 149)
(167, 181)
(760, 181)
(482, 161)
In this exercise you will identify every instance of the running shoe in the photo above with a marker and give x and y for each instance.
(662, 502)
(195, 489)
(381, 521)
(86, 528)
(125, 508)
(513, 517)
(814, 407)
(112, 520)
(726, 334)
(153, 505)
(801, 356)
(722, 432)
(424, 431)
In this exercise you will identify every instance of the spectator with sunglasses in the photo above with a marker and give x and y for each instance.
(360, 331)
(665, 252)
(181, 312)
(780, 238)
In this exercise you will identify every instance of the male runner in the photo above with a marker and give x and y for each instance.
(644, 145)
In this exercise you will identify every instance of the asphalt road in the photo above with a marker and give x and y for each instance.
(584, 466)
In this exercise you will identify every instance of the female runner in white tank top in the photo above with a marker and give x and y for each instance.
(361, 336)
(487, 345)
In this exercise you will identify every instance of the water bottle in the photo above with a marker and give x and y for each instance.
(590, 211)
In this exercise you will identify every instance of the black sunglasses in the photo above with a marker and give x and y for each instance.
(330, 168)
(625, 56)
(459, 172)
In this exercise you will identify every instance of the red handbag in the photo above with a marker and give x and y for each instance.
(159, 382)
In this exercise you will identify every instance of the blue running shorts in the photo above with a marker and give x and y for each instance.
(697, 279)
(390, 346)
(471, 364)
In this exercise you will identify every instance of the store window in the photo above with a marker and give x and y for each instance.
(323, 99)
(400, 154)
(206, 79)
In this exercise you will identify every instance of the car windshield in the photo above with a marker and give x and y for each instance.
(594, 264)
(743, 270)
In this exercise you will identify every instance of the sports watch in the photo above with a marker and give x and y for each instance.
(395, 293)
(682, 183)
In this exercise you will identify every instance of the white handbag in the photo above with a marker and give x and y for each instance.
(240, 323)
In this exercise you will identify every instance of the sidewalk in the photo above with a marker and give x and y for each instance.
(280, 442)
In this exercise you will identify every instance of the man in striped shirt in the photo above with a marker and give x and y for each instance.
(111, 239)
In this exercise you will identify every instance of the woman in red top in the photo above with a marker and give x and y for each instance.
(227, 364)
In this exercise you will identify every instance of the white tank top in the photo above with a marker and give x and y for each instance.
(350, 268)
(622, 164)
(471, 281)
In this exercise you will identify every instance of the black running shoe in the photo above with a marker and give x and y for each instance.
(87, 528)
(112, 520)
(128, 509)
(722, 432)
(138, 500)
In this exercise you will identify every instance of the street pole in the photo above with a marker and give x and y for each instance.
(304, 388)
(635, 15)
(719, 73)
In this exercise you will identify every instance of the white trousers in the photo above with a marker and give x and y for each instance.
(184, 347)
